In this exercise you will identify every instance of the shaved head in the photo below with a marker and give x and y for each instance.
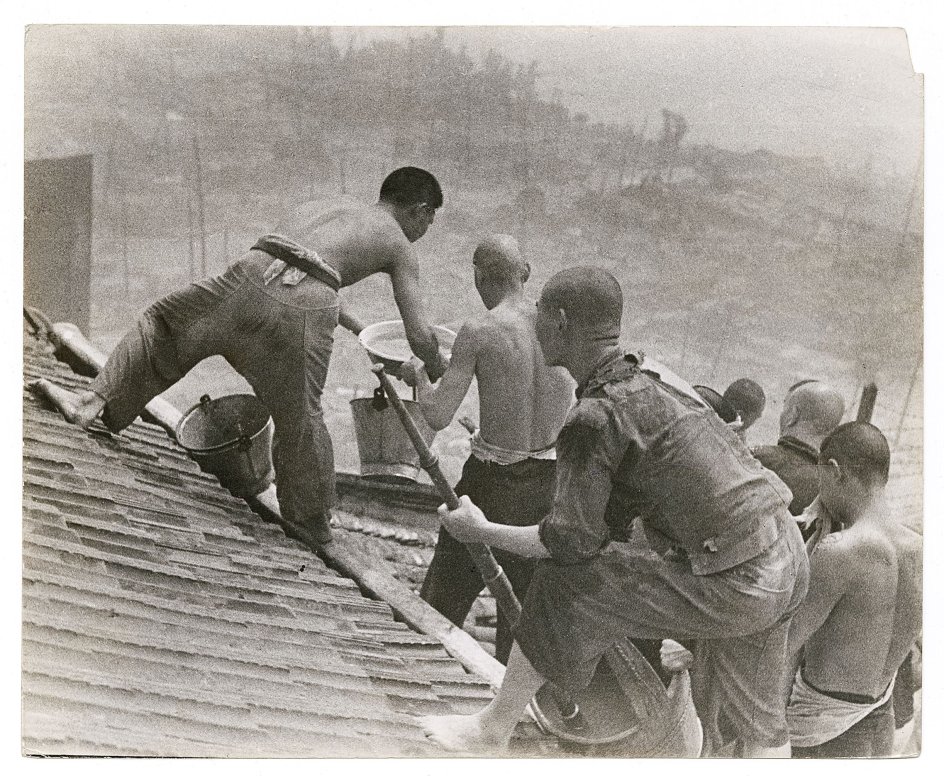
(590, 296)
(814, 406)
(859, 448)
(499, 259)
(747, 398)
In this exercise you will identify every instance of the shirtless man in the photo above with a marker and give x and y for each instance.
(725, 567)
(272, 315)
(863, 611)
(522, 406)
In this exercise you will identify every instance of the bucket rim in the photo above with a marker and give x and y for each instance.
(650, 689)
(367, 334)
(223, 445)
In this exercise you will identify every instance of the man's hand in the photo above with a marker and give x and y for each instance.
(411, 372)
(469, 424)
(414, 372)
(674, 657)
(467, 523)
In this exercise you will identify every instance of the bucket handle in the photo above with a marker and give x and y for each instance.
(244, 445)
(379, 402)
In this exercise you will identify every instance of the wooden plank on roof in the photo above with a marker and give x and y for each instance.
(416, 612)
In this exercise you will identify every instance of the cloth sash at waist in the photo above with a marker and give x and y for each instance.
(815, 718)
(290, 254)
(489, 453)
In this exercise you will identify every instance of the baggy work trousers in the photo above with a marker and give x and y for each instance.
(278, 337)
(518, 494)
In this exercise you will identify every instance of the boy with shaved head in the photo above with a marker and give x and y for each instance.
(748, 400)
(725, 567)
(862, 615)
(522, 406)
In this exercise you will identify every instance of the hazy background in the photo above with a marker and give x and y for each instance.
(769, 225)
(842, 93)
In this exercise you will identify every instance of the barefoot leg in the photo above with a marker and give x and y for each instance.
(80, 409)
(492, 727)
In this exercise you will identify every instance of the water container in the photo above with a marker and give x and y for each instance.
(231, 437)
(627, 711)
(385, 450)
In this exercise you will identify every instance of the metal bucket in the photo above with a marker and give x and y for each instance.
(385, 450)
(231, 437)
(387, 344)
(627, 710)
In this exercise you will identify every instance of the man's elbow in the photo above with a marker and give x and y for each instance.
(437, 421)
(423, 342)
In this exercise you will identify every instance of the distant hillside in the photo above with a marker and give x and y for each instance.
(733, 263)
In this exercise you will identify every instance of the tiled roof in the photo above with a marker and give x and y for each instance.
(161, 616)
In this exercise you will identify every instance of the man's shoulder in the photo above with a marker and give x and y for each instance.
(589, 419)
(858, 547)
(908, 543)
(506, 322)
(387, 235)
(587, 427)
(375, 226)
(477, 328)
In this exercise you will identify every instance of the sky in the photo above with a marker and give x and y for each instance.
(842, 93)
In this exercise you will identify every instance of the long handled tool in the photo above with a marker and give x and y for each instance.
(493, 575)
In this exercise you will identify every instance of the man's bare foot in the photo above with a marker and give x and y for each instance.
(460, 733)
(80, 409)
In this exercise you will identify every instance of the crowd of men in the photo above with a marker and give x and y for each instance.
(770, 564)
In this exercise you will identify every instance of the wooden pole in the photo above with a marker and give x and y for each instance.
(867, 403)
(904, 409)
(492, 574)
(108, 176)
(201, 221)
(640, 140)
(124, 237)
(903, 239)
(190, 217)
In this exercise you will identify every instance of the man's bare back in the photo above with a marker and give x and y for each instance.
(360, 240)
(356, 239)
(522, 401)
(862, 612)
(849, 651)
(907, 623)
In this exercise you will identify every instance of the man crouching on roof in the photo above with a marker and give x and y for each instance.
(272, 315)
(728, 567)
(522, 406)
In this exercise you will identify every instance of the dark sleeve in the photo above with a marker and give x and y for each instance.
(770, 458)
(589, 450)
(767, 455)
